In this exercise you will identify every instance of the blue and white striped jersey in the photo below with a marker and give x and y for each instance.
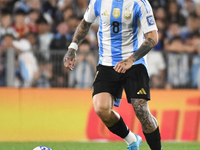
(123, 24)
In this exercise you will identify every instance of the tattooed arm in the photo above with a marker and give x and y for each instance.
(81, 31)
(79, 36)
(151, 39)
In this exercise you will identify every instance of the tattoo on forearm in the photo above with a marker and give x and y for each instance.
(149, 42)
(143, 50)
(81, 31)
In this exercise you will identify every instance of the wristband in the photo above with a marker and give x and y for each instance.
(74, 46)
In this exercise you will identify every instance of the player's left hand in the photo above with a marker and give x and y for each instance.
(69, 59)
(123, 66)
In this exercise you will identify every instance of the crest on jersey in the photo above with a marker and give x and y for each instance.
(127, 14)
(116, 12)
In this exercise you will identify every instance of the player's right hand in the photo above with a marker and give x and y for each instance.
(69, 59)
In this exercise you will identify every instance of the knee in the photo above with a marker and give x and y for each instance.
(102, 110)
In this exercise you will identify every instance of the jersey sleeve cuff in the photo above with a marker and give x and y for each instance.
(150, 29)
(88, 20)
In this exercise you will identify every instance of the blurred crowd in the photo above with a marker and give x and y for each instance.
(39, 31)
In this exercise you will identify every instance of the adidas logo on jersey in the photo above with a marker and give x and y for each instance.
(142, 91)
(105, 13)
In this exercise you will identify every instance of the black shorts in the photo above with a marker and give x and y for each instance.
(134, 81)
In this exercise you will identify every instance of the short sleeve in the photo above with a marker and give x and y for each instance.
(90, 14)
(147, 18)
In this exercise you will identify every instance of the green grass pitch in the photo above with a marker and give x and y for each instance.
(93, 145)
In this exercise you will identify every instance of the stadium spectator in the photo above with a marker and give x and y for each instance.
(62, 38)
(156, 64)
(34, 4)
(58, 45)
(81, 7)
(44, 37)
(188, 7)
(84, 69)
(20, 25)
(193, 26)
(7, 43)
(6, 24)
(7, 4)
(27, 5)
(197, 10)
(2, 66)
(161, 25)
(72, 23)
(4, 45)
(173, 31)
(157, 68)
(32, 17)
(63, 4)
(2, 74)
(195, 66)
(157, 3)
(68, 13)
(174, 14)
(32, 38)
(44, 76)
(178, 58)
(27, 61)
(160, 13)
(49, 6)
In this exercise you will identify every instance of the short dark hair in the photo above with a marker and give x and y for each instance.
(86, 42)
(41, 20)
(5, 12)
(8, 35)
(196, 35)
(32, 10)
(20, 12)
(193, 15)
(176, 38)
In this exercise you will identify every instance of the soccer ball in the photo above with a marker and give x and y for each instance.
(42, 148)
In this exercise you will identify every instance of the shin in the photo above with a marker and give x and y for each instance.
(149, 123)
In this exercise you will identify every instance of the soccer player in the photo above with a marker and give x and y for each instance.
(127, 32)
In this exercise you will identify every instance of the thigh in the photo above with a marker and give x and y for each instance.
(136, 83)
(107, 80)
(103, 100)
